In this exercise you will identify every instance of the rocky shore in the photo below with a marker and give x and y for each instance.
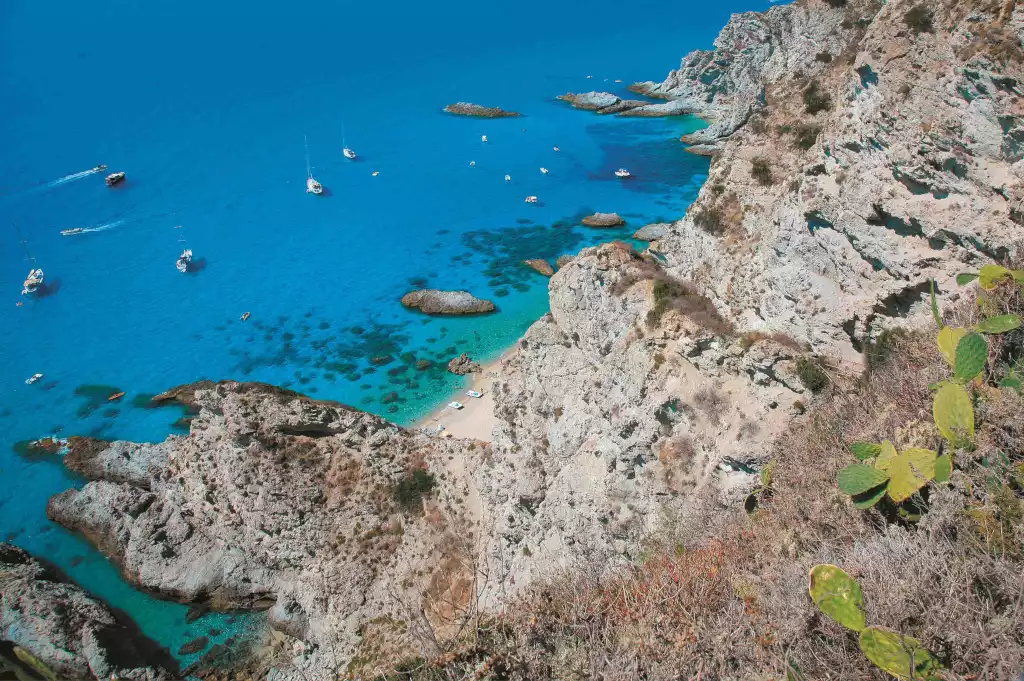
(607, 103)
(467, 109)
(434, 302)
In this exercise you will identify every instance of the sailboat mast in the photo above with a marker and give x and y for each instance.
(309, 171)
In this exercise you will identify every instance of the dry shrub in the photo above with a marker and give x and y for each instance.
(752, 338)
(677, 459)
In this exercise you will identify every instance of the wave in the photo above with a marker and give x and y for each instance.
(72, 177)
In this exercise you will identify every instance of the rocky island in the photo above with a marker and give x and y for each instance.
(467, 109)
(434, 302)
(603, 220)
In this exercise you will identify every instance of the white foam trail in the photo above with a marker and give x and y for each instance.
(72, 177)
(98, 228)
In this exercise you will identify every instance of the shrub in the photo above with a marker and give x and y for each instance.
(672, 294)
(836, 3)
(811, 374)
(761, 171)
(920, 19)
(805, 135)
(416, 486)
(881, 350)
(823, 57)
(815, 100)
(710, 219)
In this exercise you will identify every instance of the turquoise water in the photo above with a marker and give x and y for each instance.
(205, 106)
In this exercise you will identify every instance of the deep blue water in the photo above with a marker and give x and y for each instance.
(205, 105)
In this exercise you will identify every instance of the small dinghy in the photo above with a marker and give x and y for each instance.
(115, 178)
(531, 199)
(475, 393)
(557, 149)
(100, 168)
(376, 173)
(115, 397)
(483, 138)
(508, 178)
(33, 379)
(472, 163)
(622, 173)
(544, 171)
(245, 315)
(455, 405)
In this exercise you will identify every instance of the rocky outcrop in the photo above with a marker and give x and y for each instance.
(603, 220)
(463, 365)
(74, 636)
(607, 103)
(467, 109)
(540, 265)
(434, 302)
(652, 232)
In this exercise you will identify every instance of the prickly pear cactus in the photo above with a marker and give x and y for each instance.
(991, 276)
(902, 656)
(971, 355)
(34, 663)
(886, 456)
(865, 450)
(947, 340)
(954, 414)
(1001, 324)
(838, 595)
(909, 472)
(859, 478)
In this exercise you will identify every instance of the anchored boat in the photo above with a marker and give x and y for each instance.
(312, 186)
(115, 178)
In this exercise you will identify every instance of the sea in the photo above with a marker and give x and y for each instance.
(212, 109)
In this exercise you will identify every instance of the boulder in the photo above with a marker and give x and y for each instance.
(540, 265)
(652, 232)
(467, 109)
(434, 302)
(590, 101)
(463, 365)
(603, 220)
(564, 260)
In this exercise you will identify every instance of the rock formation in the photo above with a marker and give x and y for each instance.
(540, 265)
(607, 103)
(434, 302)
(603, 220)
(75, 637)
(467, 109)
(652, 232)
(463, 365)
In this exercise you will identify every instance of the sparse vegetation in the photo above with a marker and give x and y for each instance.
(823, 57)
(710, 219)
(761, 171)
(411, 490)
(815, 99)
(805, 135)
(811, 374)
(920, 19)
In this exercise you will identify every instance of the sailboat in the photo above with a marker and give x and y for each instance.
(35, 274)
(312, 186)
(183, 261)
(349, 154)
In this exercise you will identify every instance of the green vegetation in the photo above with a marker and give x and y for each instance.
(920, 19)
(815, 100)
(761, 171)
(710, 220)
(416, 486)
(811, 374)
(805, 135)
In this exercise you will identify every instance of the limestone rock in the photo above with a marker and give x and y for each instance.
(540, 265)
(467, 109)
(434, 302)
(463, 365)
(603, 220)
(652, 232)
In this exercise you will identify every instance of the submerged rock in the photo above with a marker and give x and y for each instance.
(194, 646)
(467, 109)
(652, 232)
(76, 637)
(463, 365)
(603, 220)
(540, 265)
(434, 302)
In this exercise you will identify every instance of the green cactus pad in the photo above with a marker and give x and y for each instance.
(947, 340)
(869, 498)
(886, 456)
(991, 276)
(838, 595)
(909, 472)
(953, 414)
(971, 355)
(1000, 324)
(865, 450)
(858, 478)
(902, 656)
(966, 278)
(943, 468)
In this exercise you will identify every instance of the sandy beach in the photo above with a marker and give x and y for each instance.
(476, 419)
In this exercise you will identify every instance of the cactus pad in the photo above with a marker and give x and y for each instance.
(886, 456)
(953, 414)
(838, 595)
(991, 276)
(971, 355)
(902, 656)
(943, 468)
(947, 340)
(909, 472)
(865, 450)
(1000, 324)
(858, 478)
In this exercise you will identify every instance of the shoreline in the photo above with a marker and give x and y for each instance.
(476, 420)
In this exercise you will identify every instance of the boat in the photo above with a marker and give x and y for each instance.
(475, 393)
(623, 173)
(508, 178)
(100, 168)
(557, 149)
(245, 315)
(32, 282)
(115, 397)
(376, 173)
(183, 260)
(455, 405)
(483, 138)
(531, 199)
(472, 163)
(348, 153)
(312, 186)
(544, 171)
(618, 80)
(115, 178)
(33, 379)
(73, 231)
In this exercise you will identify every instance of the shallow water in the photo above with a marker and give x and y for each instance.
(205, 106)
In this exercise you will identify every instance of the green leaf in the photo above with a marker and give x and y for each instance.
(793, 672)
(954, 414)
(869, 498)
(992, 275)
(902, 656)
(887, 454)
(838, 595)
(766, 474)
(1011, 383)
(971, 355)
(865, 450)
(1000, 324)
(947, 340)
(965, 278)
(935, 305)
(943, 468)
(858, 478)
(909, 472)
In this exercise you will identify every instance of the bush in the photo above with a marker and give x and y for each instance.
(919, 19)
(823, 57)
(811, 374)
(710, 220)
(416, 486)
(761, 171)
(815, 100)
(805, 135)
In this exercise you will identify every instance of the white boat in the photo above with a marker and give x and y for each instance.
(483, 138)
(557, 149)
(32, 282)
(455, 405)
(508, 178)
(623, 173)
(183, 260)
(73, 231)
(100, 168)
(376, 173)
(475, 393)
(472, 163)
(349, 154)
(33, 379)
(312, 186)
(544, 171)
(115, 178)
(531, 199)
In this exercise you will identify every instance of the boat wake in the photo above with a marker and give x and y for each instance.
(72, 177)
(92, 230)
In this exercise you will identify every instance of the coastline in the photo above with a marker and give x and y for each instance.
(476, 420)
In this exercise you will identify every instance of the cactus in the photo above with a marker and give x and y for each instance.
(971, 355)
(935, 305)
(948, 338)
(865, 450)
(991, 276)
(1000, 324)
(965, 278)
(902, 656)
(909, 472)
(869, 498)
(953, 414)
(838, 595)
(943, 468)
(859, 478)
(886, 456)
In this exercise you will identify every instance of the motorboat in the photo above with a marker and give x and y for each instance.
(183, 260)
(245, 315)
(544, 171)
(472, 163)
(508, 178)
(557, 149)
(115, 178)
(531, 199)
(622, 173)
(32, 282)
(73, 231)
(348, 153)
(474, 393)
(483, 138)
(100, 168)
(376, 173)
(313, 187)
(33, 379)
(455, 405)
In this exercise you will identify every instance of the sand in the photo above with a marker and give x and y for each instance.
(476, 419)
